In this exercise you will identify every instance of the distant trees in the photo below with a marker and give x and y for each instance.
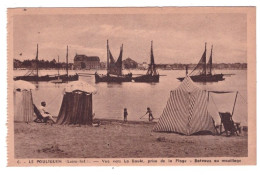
(130, 64)
(42, 64)
(47, 64)
(179, 66)
(127, 64)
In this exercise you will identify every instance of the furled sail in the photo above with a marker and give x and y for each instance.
(119, 61)
(115, 68)
(209, 64)
(152, 66)
(112, 60)
(201, 67)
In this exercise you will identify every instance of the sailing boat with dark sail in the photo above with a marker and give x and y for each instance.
(114, 69)
(152, 75)
(32, 76)
(203, 71)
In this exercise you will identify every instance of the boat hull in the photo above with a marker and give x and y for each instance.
(205, 78)
(147, 78)
(110, 78)
(64, 78)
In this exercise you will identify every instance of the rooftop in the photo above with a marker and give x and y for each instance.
(86, 58)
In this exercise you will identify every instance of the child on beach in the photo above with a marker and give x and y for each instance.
(125, 115)
(149, 111)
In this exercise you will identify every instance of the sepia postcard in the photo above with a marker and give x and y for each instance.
(161, 86)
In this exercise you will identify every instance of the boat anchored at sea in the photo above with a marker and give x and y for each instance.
(32, 76)
(203, 71)
(152, 75)
(114, 69)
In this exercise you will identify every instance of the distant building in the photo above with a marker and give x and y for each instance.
(86, 62)
(103, 65)
(143, 66)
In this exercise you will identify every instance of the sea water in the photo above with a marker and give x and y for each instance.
(111, 98)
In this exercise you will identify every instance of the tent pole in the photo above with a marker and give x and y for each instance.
(233, 112)
(108, 68)
(58, 66)
(234, 104)
(67, 65)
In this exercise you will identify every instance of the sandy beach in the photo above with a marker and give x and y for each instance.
(116, 139)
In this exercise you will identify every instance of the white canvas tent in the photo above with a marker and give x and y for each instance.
(23, 102)
(186, 111)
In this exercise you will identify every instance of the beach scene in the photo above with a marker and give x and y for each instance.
(115, 138)
(130, 85)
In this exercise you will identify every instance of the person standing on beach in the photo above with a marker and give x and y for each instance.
(125, 115)
(149, 111)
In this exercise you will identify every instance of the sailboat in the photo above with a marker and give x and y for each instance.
(114, 69)
(32, 76)
(66, 77)
(58, 80)
(203, 71)
(152, 75)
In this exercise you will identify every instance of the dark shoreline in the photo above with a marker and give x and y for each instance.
(128, 69)
(112, 121)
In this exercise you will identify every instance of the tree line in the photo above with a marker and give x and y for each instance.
(42, 64)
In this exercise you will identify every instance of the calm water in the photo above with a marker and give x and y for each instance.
(112, 98)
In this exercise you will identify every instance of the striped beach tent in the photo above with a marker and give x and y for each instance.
(186, 111)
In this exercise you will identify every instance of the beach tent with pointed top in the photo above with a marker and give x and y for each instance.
(186, 111)
(23, 102)
(76, 107)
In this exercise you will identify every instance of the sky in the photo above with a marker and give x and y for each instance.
(177, 38)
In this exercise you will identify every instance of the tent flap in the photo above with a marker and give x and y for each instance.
(76, 108)
(23, 106)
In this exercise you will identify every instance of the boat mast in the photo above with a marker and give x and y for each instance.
(58, 65)
(121, 61)
(205, 64)
(152, 58)
(151, 69)
(107, 57)
(37, 62)
(67, 65)
(210, 61)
